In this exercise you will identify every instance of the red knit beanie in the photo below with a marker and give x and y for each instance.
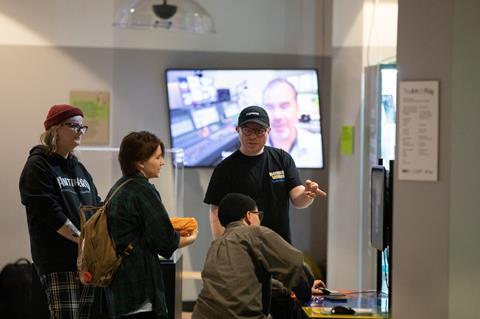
(59, 113)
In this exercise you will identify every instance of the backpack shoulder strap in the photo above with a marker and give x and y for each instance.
(130, 246)
(107, 200)
(87, 208)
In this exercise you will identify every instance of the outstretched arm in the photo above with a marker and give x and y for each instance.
(303, 195)
(188, 240)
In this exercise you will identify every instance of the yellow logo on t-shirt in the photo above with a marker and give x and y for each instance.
(277, 176)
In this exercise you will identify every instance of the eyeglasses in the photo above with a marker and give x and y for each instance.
(249, 131)
(258, 212)
(77, 127)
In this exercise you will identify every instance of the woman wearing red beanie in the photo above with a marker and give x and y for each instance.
(53, 185)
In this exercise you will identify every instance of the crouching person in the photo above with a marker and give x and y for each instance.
(239, 265)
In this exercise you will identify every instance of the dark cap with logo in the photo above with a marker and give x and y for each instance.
(254, 114)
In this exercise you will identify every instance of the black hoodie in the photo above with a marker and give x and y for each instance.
(52, 189)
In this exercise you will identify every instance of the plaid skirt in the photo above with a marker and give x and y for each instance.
(67, 298)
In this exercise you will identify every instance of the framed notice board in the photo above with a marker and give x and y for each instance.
(418, 110)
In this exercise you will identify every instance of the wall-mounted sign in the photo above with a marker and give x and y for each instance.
(347, 140)
(96, 109)
(418, 130)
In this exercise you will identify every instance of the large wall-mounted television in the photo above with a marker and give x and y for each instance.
(204, 105)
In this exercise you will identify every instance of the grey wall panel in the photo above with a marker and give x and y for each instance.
(421, 209)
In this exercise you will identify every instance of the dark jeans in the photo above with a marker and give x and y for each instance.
(285, 308)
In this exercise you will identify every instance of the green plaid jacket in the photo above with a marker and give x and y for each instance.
(136, 214)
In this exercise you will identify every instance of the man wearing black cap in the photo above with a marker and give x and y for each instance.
(237, 270)
(267, 174)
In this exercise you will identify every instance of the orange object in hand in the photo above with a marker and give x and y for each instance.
(184, 225)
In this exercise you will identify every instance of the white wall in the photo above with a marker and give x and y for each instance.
(361, 37)
(29, 85)
(267, 26)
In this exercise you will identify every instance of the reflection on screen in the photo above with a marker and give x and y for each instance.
(181, 126)
(204, 107)
(231, 110)
(205, 116)
(378, 184)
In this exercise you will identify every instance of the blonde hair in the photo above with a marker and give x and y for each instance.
(49, 139)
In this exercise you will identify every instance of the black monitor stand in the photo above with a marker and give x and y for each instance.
(386, 253)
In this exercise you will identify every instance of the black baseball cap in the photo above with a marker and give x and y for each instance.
(254, 114)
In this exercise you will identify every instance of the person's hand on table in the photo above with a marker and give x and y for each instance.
(317, 288)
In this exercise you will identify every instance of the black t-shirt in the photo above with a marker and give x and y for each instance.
(267, 178)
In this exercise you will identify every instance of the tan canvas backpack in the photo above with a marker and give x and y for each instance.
(98, 259)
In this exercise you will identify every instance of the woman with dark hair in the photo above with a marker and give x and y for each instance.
(53, 185)
(136, 215)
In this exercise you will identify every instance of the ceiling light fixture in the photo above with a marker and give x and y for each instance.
(185, 15)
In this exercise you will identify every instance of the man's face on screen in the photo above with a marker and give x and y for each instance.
(281, 104)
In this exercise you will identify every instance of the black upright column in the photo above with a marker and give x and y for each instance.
(172, 277)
